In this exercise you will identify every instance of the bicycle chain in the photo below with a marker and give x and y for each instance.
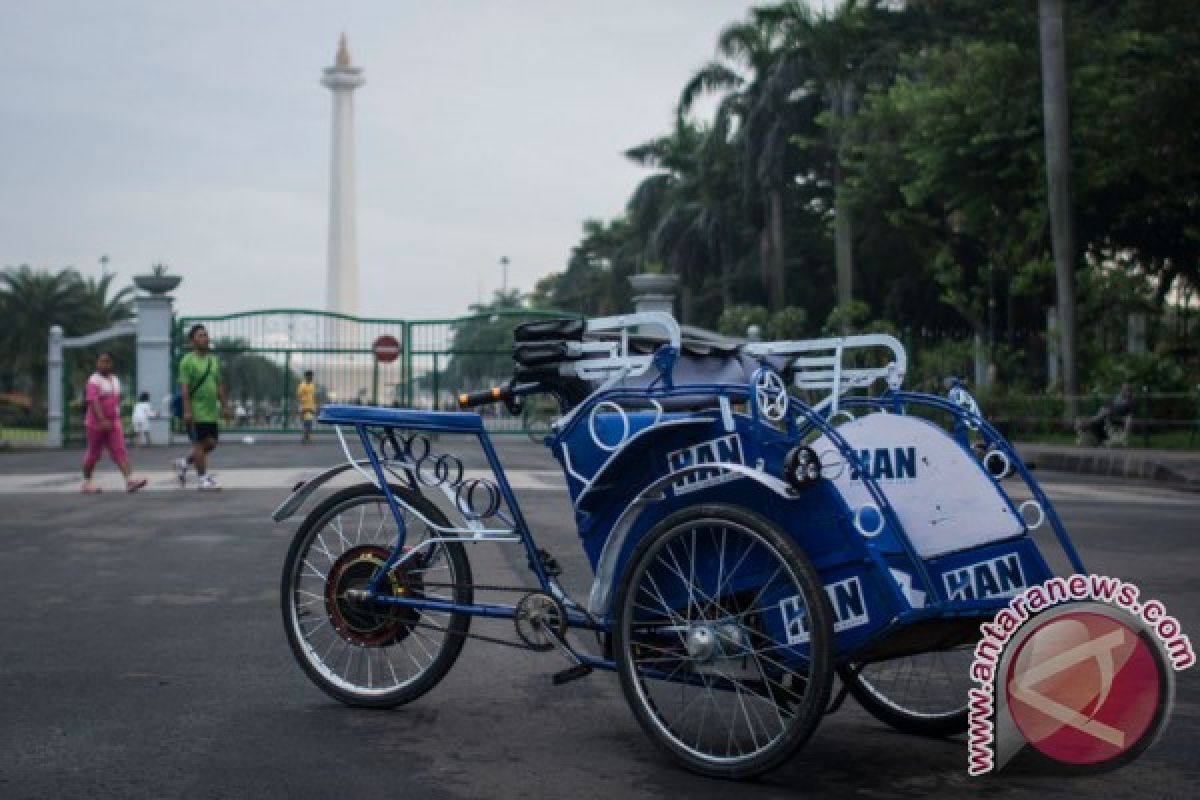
(478, 636)
(486, 588)
(472, 586)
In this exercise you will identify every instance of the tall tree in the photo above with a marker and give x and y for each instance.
(687, 216)
(1058, 162)
(836, 54)
(97, 308)
(755, 112)
(30, 302)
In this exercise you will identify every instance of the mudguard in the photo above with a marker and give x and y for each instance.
(600, 599)
(303, 490)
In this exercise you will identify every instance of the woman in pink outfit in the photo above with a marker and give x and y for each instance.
(102, 423)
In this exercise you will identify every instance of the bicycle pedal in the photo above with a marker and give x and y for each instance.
(571, 674)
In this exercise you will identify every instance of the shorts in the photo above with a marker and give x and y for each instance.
(199, 431)
(306, 418)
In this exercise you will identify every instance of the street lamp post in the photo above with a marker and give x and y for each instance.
(504, 269)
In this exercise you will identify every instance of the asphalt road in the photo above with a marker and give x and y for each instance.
(143, 656)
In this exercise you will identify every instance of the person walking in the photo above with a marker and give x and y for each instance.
(203, 395)
(102, 424)
(142, 412)
(306, 397)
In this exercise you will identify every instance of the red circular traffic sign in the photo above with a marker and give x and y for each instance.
(386, 349)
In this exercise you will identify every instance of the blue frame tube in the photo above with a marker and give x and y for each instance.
(506, 492)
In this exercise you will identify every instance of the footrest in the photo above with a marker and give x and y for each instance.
(571, 674)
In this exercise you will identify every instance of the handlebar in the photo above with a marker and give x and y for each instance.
(485, 396)
(507, 394)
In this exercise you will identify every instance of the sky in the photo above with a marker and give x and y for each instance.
(198, 135)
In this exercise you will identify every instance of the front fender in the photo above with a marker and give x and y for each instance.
(303, 490)
(600, 599)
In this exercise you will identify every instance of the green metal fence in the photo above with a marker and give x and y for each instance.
(264, 355)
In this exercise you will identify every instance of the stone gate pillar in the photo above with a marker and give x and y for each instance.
(154, 317)
(54, 393)
(654, 292)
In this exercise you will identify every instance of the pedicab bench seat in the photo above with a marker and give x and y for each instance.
(448, 421)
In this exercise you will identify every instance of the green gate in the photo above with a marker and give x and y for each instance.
(264, 355)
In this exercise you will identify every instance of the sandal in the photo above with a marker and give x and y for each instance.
(133, 486)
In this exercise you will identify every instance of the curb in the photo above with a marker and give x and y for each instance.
(1110, 462)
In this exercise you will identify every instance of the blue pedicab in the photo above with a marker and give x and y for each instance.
(748, 541)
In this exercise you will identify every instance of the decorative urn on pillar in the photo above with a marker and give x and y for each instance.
(158, 281)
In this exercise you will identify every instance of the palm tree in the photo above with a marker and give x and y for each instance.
(30, 302)
(754, 116)
(33, 300)
(97, 310)
(834, 54)
(685, 215)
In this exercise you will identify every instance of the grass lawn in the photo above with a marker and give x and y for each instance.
(22, 436)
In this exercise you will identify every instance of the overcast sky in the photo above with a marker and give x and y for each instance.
(197, 134)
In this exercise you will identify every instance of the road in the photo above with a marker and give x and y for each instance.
(143, 656)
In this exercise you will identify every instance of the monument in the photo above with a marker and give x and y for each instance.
(347, 376)
(341, 286)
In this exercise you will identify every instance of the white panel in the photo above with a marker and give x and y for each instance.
(943, 499)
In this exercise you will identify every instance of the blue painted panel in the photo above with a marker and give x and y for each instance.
(985, 574)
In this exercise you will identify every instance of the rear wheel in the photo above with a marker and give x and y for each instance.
(362, 652)
(723, 641)
(923, 694)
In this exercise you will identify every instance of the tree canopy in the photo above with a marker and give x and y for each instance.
(31, 300)
(885, 162)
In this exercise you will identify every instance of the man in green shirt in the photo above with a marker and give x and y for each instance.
(203, 394)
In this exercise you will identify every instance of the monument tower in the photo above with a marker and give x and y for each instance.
(341, 287)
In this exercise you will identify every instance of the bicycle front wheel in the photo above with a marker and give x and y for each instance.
(362, 652)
